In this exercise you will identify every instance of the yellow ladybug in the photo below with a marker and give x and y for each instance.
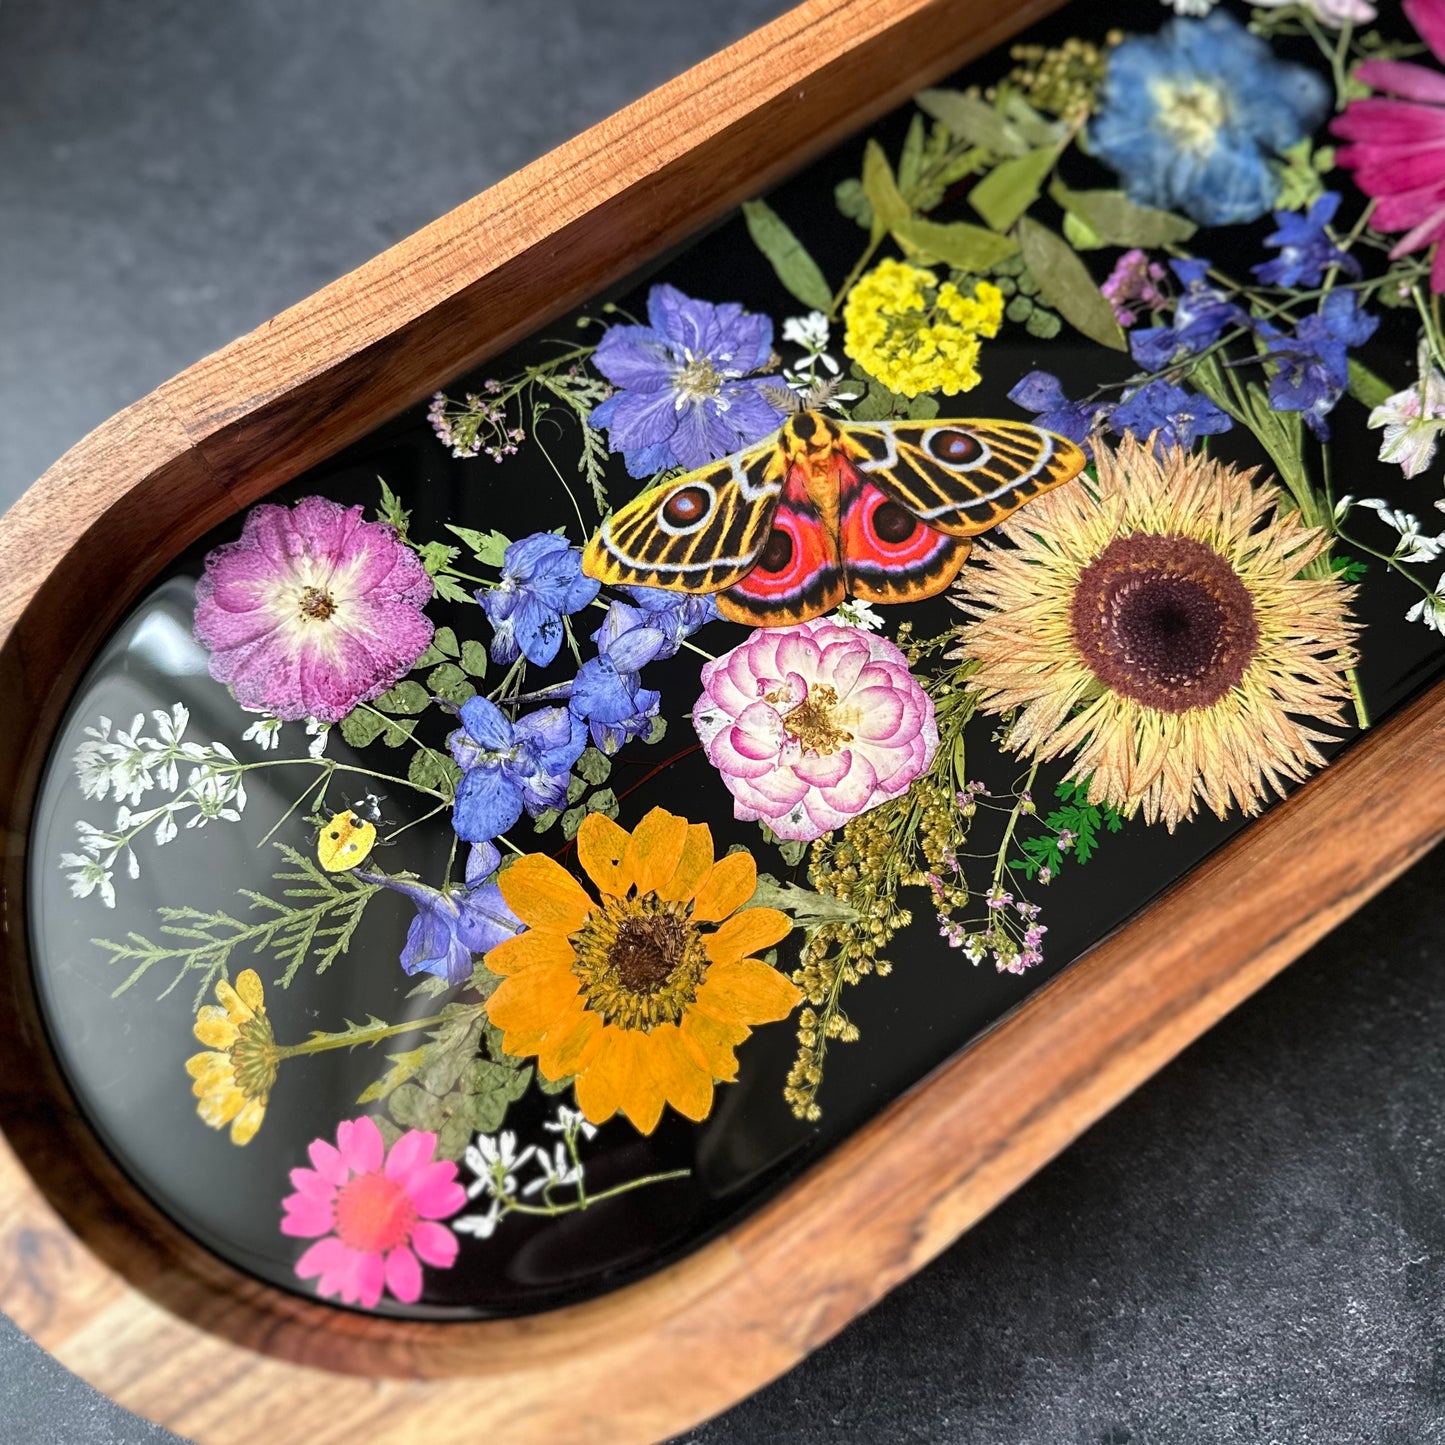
(348, 838)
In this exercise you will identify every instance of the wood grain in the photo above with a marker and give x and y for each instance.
(98, 1276)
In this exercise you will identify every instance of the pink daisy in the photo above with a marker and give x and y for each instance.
(1398, 150)
(312, 610)
(376, 1211)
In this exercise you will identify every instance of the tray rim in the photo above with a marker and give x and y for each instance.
(83, 1276)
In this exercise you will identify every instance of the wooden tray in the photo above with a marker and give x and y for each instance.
(99, 1277)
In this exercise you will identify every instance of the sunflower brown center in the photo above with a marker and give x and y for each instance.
(813, 724)
(1165, 621)
(640, 961)
(317, 603)
(254, 1057)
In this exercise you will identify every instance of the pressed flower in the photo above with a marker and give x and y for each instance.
(1306, 251)
(643, 992)
(1413, 419)
(372, 1212)
(1192, 117)
(1042, 393)
(1173, 416)
(813, 724)
(1398, 145)
(915, 335)
(1312, 367)
(1133, 286)
(1202, 314)
(607, 692)
(312, 611)
(542, 583)
(234, 1080)
(1155, 626)
(1334, 13)
(685, 394)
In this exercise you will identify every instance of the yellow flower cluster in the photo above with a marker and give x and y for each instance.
(916, 336)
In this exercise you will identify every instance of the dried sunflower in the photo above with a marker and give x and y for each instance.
(1156, 625)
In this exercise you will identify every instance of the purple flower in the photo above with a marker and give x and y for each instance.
(312, 611)
(677, 615)
(1179, 417)
(542, 583)
(608, 693)
(509, 766)
(1313, 365)
(1305, 249)
(1133, 285)
(1202, 314)
(1042, 392)
(684, 395)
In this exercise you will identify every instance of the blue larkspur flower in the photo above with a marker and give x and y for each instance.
(1179, 417)
(542, 583)
(1305, 249)
(1191, 117)
(1042, 393)
(508, 766)
(1202, 314)
(1313, 366)
(607, 693)
(677, 615)
(685, 396)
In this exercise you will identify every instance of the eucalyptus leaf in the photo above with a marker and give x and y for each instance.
(1117, 221)
(890, 210)
(959, 245)
(1066, 285)
(1008, 190)
(973, 120)
(795, 268)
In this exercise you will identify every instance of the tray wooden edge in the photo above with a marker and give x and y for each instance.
(165, 1330)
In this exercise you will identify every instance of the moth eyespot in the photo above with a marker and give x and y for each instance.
(777, 552)
(952, 447)
(893, 524)
(687, 508)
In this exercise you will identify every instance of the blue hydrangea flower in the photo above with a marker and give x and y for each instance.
(1179, 417)
(685, 396)
(542, 583)
(510, 766)
(607, 692)
(1191, 117)
(1313, 366)
(1042, 393)
(1305, 250)
(1202, 314)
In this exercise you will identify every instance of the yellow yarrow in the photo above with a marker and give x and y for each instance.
(916, 336)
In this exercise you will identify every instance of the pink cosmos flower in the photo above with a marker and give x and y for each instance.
(812, 725)
(312, 610)
(1398, 155)
(376, 1211)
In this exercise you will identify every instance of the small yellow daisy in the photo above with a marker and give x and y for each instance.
(234, 1081)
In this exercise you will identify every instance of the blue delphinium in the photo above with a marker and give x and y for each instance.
(685, 396)
(607, 693)
(1042, 393)
(1312, 367)
(1174, 416)
(1191, 117)
(1305, 249)
(542, 583)
(1202, 314)
(676, 614)
(508, 766)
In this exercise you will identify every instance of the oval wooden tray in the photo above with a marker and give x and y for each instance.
(120, 1296)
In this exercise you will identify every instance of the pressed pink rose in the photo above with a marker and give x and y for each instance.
(376, 1211)
(812, 725)
(312, 610)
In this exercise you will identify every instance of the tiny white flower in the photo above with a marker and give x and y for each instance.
(1333, 13)
(809, 332)
(132, 863)
(1191, 7)
(557, 1171)
(569, 1120)
(1430, 610)
(1413, 419)
(859, 614)
(481, 1226)
(166, 829)
(1343, 506)
(265, 733)
(319, 733)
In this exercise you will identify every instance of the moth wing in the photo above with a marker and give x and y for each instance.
(699, 533)
(962, 477)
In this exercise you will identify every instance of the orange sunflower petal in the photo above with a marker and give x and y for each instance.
(731, 883)
(712, 1041)
(655, 849)
(248, 986)
(530, 950)
(694, 865)
(750, 931)
(569, 1048)
(213, 1026)
(746, 990)
(543, 894)
(596, 1085)
(245, 1124)
(535, 1000)
(523, 1042)
(639, 1093)
(685, 1083)
(601, 849)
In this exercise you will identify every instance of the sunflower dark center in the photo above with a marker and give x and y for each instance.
(1165, 621)
(317, 603)
(639, 960)
(646, 951)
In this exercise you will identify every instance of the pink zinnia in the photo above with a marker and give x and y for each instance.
(312, 611)
(812, 725)
(1398, 154)
(376, 1211)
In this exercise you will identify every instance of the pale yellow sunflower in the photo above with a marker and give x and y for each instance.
(1156, 625)
(644, 993)
(234, 1082)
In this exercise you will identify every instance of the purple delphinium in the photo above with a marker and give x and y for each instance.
(1172, 415)
(1042, 393)
(508, 766)
(608, 693)
(1305, 249)
(1313, 366)
(1202, 314)
(542, 583)
(685, 396)
(677, 615)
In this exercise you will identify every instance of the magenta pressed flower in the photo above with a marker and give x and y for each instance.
(812, 725)
(312, 611)
(372, 1213)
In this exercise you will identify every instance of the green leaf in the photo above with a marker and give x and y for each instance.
(406, 698)
(890, 210)
(433, 770)
(657, 731)
(489, 1089)
(1367, 388)
(1117, 221)
(414, 1108)
(1080, 235)
(603, 801)
(910, 159)
(1008, 190)
(450, 589)
(796, 269)
(474, 658)
(595, 765)
(973, 120)
(571, 821)
(445, 641)
(403, 1068)
(545, 819)
(391, 509)
(451, 684)
(964, 247)
(487, 547)
(852, 202)
(1065, 284)
(878, 405)
(923, 408)
(575, 788)
(437, 556)
(360, 727)
(793, 850)
(802, 905)
(1036, 129)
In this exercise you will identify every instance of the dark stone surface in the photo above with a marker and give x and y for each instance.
(1250, 1250)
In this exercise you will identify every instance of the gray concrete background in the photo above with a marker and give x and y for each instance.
(1252, 1249)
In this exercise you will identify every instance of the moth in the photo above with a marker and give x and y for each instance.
(823, 509)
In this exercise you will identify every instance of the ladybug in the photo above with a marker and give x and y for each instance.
(347, 839)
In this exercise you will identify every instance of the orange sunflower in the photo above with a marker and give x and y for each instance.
(634, 993)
